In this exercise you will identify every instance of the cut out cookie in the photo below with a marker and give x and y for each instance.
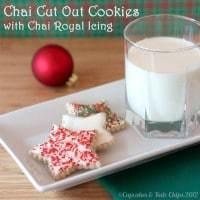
(93, 122)
(66, 151)
(114, 123)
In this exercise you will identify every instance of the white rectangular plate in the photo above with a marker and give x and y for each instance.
(21, 129)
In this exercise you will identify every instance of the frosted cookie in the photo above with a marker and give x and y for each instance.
(66, 151)
(93, 122)
(114, 123)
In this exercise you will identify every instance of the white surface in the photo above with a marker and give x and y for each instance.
(21, 129)
(159, 83)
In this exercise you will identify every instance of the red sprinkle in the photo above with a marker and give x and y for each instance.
(66, 149)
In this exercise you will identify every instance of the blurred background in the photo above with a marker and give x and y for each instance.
(98, 58)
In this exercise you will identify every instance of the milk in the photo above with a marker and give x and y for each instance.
(162, 87)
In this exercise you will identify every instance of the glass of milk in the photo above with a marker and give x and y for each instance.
(162, 75)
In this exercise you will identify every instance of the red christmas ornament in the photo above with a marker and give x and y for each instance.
(52, 65)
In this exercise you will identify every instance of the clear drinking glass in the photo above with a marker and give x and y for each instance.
(162, 75)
